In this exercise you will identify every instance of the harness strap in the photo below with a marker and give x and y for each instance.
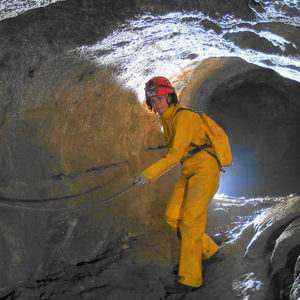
(216, 158)
(198, 148)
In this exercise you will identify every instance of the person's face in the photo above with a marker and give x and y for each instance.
(159, 104)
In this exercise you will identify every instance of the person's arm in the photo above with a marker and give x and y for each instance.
(181, 139)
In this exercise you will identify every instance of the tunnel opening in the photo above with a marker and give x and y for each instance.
(260, 113)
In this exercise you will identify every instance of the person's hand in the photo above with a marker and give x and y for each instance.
(140, 179)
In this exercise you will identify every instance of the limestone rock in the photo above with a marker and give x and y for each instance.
(287, 248)
(295, 290)
(270, 225)
(251, 40)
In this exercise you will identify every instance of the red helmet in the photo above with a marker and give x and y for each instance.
(158, 86)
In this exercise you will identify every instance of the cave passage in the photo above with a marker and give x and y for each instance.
(72, 81)
(260, 113)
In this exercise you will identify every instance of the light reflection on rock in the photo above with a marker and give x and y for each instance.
(245, 284)
(268, 229)
(240, 211)
(10, 9)
(176, 40)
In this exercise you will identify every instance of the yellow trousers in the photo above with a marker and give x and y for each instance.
(187, 213)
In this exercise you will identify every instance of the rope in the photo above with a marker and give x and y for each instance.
(18, 200)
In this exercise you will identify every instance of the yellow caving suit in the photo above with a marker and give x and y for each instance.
(199, 181)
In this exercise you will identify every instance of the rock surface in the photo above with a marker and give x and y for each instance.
(73, 136)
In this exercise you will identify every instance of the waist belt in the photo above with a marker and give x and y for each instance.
(198, 148)
(202, 147)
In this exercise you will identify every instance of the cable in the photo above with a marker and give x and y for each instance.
(17, 200)
(43, 200)
(28, 200)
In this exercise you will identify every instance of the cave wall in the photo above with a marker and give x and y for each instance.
(68, 126)
(75, 130)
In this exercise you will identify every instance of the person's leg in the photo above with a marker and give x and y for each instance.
(200, 189)
(209, 247)
(174, 208)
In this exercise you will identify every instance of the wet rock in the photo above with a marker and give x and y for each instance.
(251, 40)
(246, 284)
(281, 37)
(288, 246)
(209, 25)
(295, 290)
(276, 241)
(271, 224)
(119, 9)
(297, 268)
(288, 32)
(256, 5)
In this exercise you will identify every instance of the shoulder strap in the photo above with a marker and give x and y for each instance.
(183, 108)
(179, 109)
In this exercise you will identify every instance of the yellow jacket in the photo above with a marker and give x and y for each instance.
(180, 131)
